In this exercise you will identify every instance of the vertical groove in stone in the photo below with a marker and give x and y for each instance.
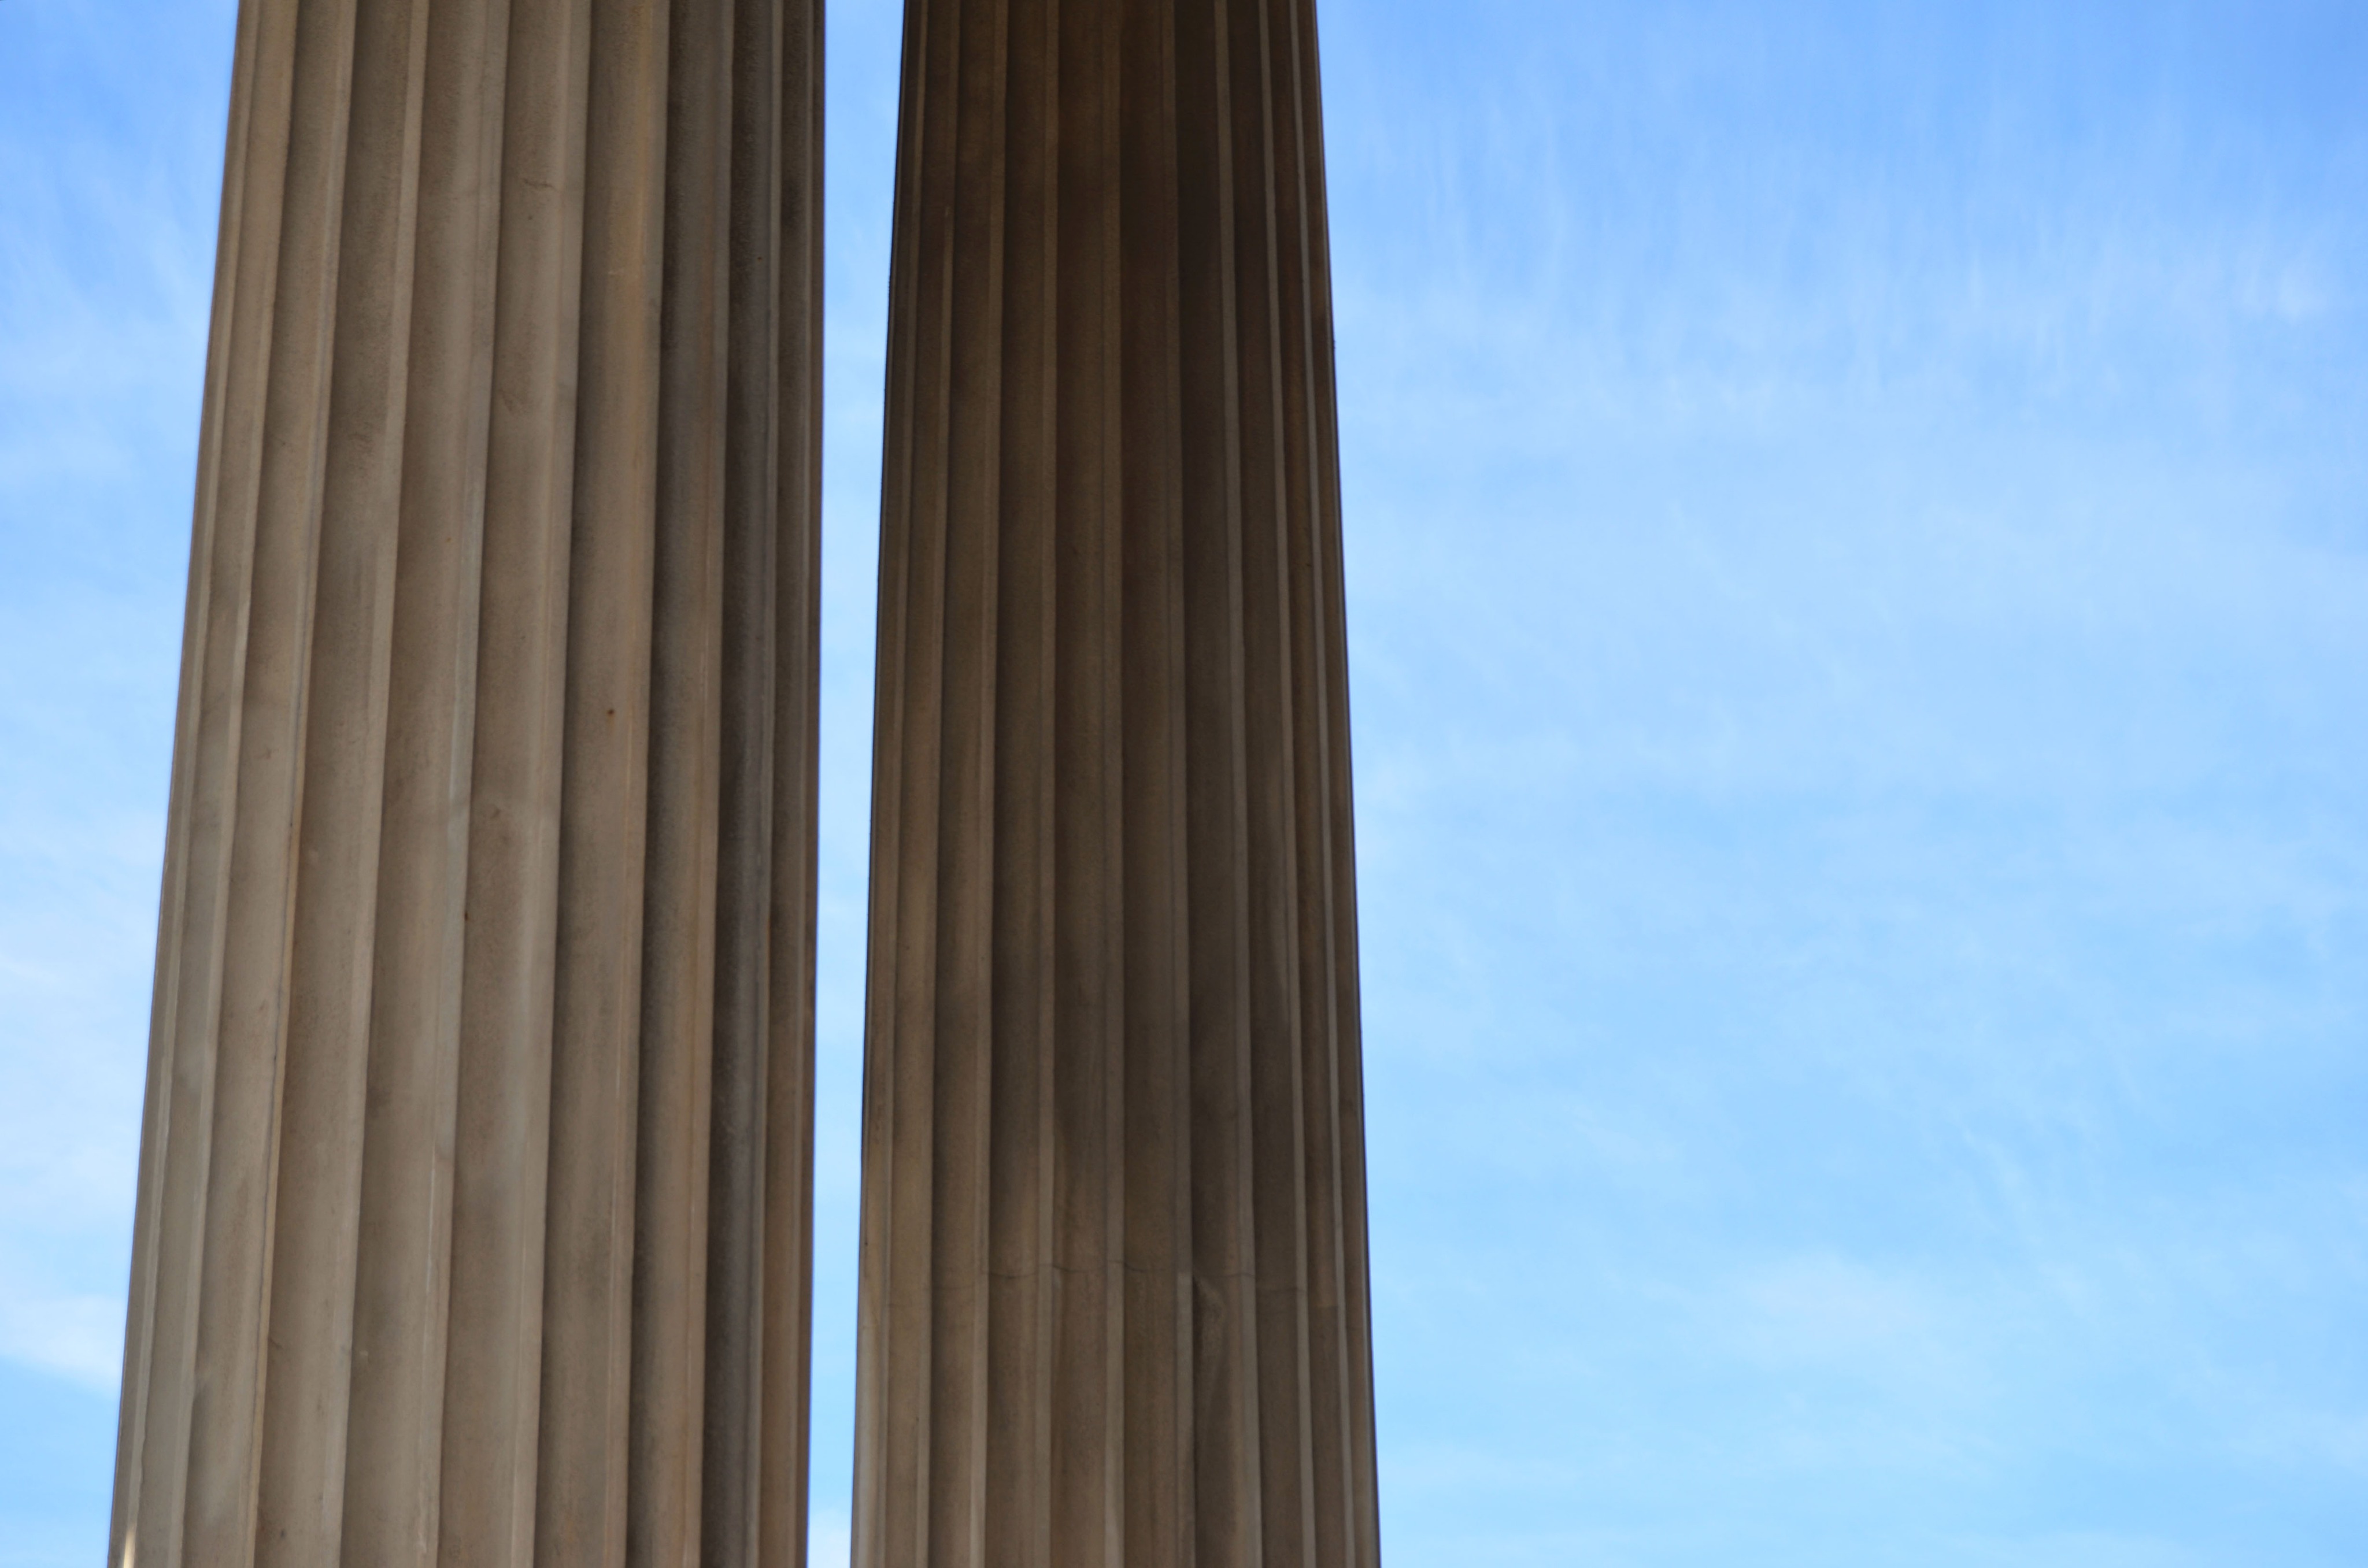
(491, 1411)
(307, 1374)
(677, 999)
(1083, 1243)
(234, 1290)
(588, 1319)
(441, 974)
(1156, 1498)
(783, 272)
(733, 1373)
(1272, 763)
(1113, 1259)
(393, 1498)
(1015, 1189)
(1225, 1515)
(730, 1429)
(966, 848)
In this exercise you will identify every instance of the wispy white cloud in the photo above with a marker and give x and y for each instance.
(829, 1540)
(106, 196)
(78, 1337)
(1859, 563)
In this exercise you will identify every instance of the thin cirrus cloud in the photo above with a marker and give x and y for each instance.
(1858, 553)
(106, 226)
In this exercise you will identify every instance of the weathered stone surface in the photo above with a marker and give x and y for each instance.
(473, 1214)
(1113, 1296)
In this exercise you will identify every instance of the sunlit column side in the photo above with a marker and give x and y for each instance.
(473, 1219)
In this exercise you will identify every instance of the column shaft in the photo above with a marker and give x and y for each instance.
(1113, 1293)
(473, 1219)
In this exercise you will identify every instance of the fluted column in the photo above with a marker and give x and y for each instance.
(1113, 1298)
(474, 1222)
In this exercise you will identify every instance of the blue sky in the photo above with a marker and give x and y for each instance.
(1858, 549)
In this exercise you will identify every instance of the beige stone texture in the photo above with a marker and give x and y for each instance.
(473, 1221)
(1114, 1301)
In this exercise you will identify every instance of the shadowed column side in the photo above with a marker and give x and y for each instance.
(1113, 1293)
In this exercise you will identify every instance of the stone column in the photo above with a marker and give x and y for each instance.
(1114, 1303)
(473, 1218)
